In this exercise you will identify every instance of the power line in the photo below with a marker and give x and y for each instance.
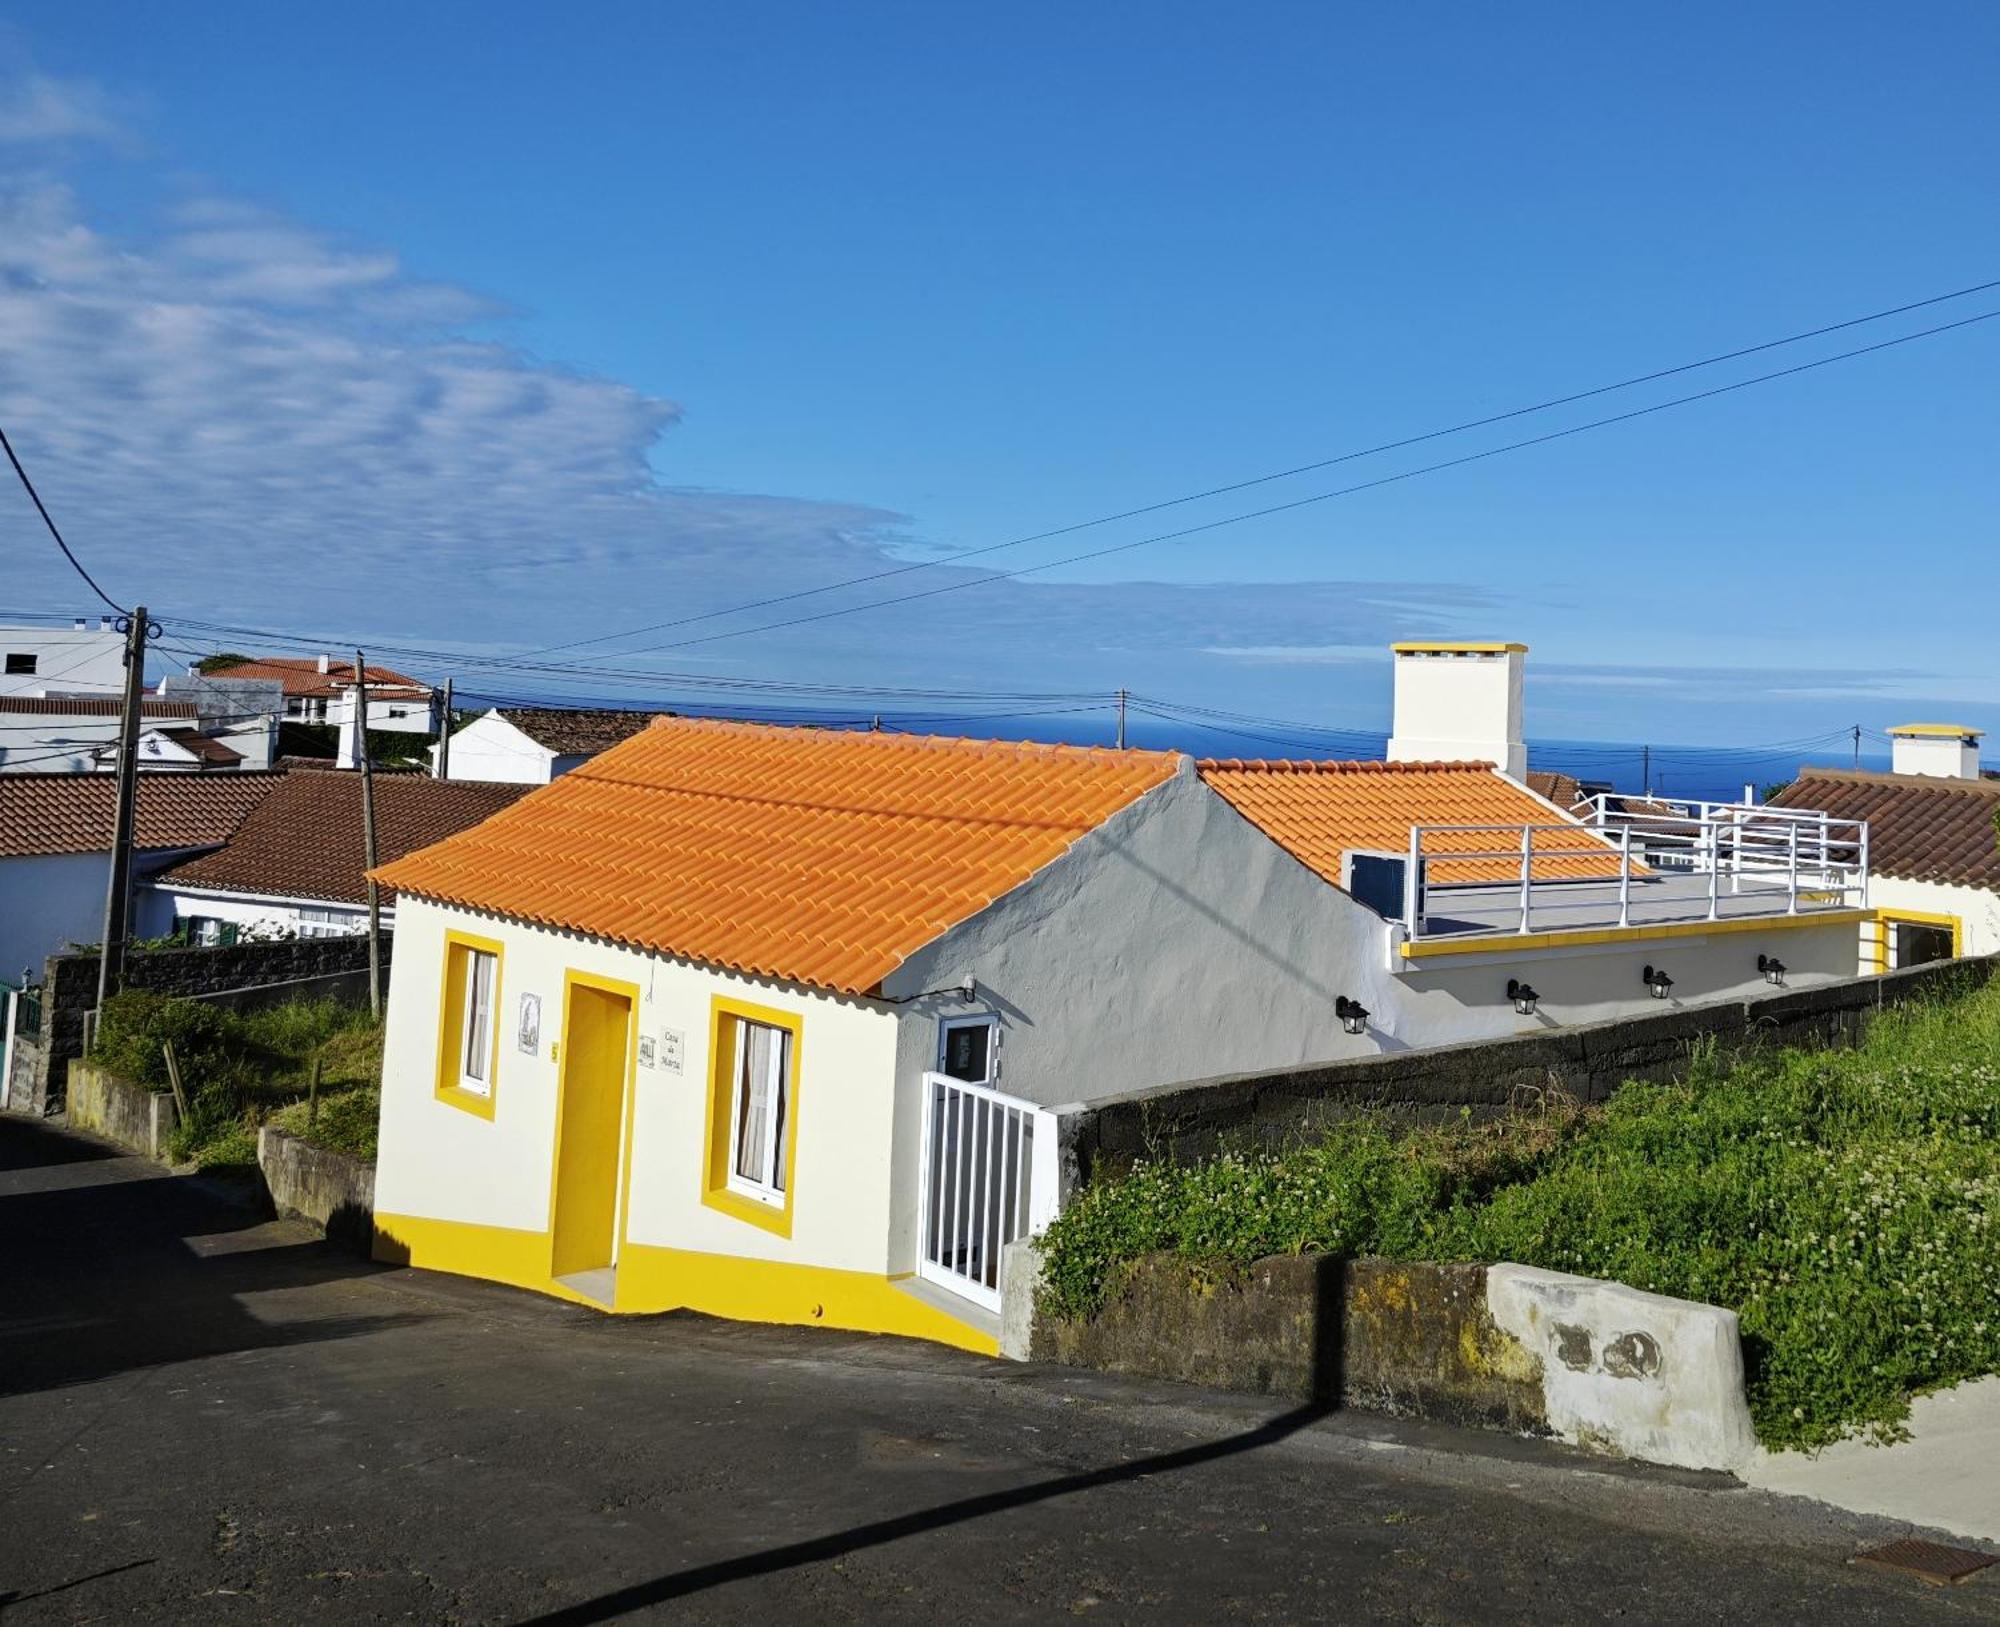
(1327, 496)
(41, 508)
(1281, 474)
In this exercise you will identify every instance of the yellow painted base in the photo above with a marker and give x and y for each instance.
(654, 1279)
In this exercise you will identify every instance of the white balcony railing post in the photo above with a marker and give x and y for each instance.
(1792, 872)
(1625, 875)
(1527, 875)
(1714, 847)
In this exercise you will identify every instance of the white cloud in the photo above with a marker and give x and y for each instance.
(246, 420)
(38, 108)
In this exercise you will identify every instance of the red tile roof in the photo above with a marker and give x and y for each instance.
(44, 814)
(1921, 827)
(1321, 811)
(814, 855)
(301, 676)
(92, 706)
(305, 839)
(578, 732)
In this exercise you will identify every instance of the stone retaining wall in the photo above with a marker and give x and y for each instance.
(244, 975)
(1596, 1364)
(334, 1190)
(1184, 1122)
(138, 1119)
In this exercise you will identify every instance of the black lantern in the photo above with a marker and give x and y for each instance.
(1523, 996)
(1773, 970)
(1353, 1015)
(1657, 982)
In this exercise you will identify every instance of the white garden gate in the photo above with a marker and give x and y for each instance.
(989, 1177)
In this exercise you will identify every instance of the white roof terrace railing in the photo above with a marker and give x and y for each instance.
(1675, 862)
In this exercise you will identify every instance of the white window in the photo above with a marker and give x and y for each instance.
(475, 1051)
(315, 923)
(761, 1102)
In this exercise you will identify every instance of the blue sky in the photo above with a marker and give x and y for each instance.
(488, 327)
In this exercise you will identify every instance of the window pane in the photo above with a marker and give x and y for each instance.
(478, 1014)
(967, 1048)
(781, 1094)
(753, 1116)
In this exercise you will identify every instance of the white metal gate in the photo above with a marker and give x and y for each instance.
(988, 1179)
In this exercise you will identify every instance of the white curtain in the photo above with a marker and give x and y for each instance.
(478, 1015)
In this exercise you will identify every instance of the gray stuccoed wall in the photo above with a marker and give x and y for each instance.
(1179, 1123)
(245, 974)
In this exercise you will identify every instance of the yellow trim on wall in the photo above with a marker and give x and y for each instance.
(451, 1023)
(652, 1279)
(715, 1189)
(1500, 942)
(1935, 731)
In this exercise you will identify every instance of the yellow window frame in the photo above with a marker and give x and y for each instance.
(1887, 920)
(458, 949)
(716, 1191)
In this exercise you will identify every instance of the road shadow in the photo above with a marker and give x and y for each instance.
(699, 1578)
(115, 1264)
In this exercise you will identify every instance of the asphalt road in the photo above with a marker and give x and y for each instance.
(206, 1418)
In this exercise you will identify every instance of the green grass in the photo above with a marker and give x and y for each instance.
(1845, 1203)
(241, 1070)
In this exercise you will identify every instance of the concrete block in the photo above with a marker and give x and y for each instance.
(331, 1189)
(137, 1119)
(1631, 1373)
(1020, 1281)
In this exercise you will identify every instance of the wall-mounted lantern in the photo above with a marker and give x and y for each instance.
(1353, 1015)
(1773, 970)
(1657, 982)
(1523, 996)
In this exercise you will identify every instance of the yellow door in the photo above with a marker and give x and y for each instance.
(596, 1041)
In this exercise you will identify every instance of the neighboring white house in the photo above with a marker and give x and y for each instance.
(55, 848)
(531, 745)
(81, 659)
(320, 689)
(79, 735)
(296, 866)
(765, 1021)
(1934, 852)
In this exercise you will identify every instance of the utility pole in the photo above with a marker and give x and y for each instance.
(1857, 745)
(443, 769)
(118, 895)
(368, 837)
(1646, 769)
(1121, 720)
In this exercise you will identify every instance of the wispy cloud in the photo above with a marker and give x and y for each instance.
(38, 107)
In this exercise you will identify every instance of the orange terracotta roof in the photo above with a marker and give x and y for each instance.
(1320, 811)
(814, 855)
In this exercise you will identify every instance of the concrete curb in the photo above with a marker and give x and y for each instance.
(333, 1190)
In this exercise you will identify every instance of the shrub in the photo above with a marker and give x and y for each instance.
(239, 1069)
(1845, 1204)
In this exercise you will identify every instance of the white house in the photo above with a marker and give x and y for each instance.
(321, 688)
(78, 660)
(765, 1021)
(531, 745)
(1934, 852)
(295, 867)
(55, 847)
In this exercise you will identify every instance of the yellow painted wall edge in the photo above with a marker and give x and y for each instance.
(654, 1279)
(1427, 949)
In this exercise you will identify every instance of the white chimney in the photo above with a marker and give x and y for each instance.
(347, 754)
(326, 663)
(1459, 703)
(1945, 751)
(81, 623)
